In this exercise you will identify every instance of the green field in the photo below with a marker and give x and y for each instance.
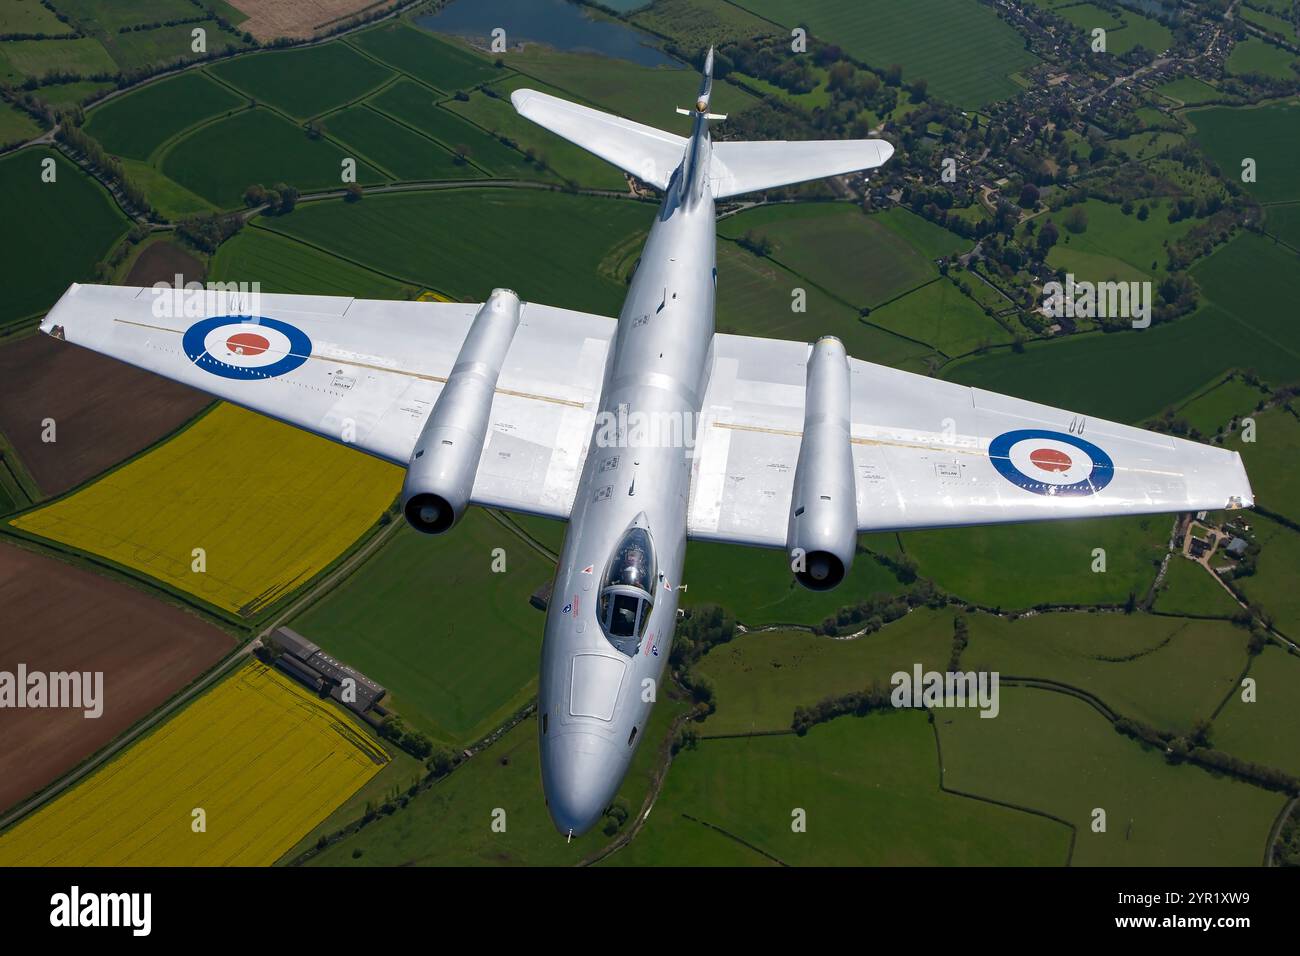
(281, 264)
(1270, 460)
(939, 315)
(394, 148)
(447, 66)
(1165, 671)
(960, 47)
(465, 242)
(1190, 589)
(417, 107)
(645, 94)
(1116, 246)
(146, 49)
(1214, 410)
(1248, 326)
(698, 21)
(1264, 731)
(495, 114)
(16, 126)
(1273, 585)
(67, 227)
(1055, 753)
(304, 82)
(853, 256)
(1270, 135)
(451, 823)
(20, 59)
(1269, 22)
(869, 789)
(29, 16)
(1147, 145)
(756, 584)
(755, 297)
(1253, 55)
(455, 668)
(1284, 223)
(759, 679)
(137, 124)
(1020, 566)
(221, 160)
(1189, 90)
(108, 15)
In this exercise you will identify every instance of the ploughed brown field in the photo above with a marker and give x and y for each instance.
(268, 19)
(104, 411)
(61, 618)
(162, 262)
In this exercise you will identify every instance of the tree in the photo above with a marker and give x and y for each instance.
(1076, 219)
(1029, 196)
(1047, 236)
(353, 193)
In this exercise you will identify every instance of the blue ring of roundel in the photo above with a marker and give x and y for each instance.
(192, 343)
(1103, 469)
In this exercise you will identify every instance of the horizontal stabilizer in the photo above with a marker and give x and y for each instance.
(745, 167)
(649, 154)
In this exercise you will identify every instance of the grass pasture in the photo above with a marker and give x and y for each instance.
(965, 52)
(1264, 730)
(67, 227)
(282, 264)
(1270, 135)
(869, 787)
(165, 46)
(1273, 585)
(447, 66)
(853, 256)
(1284, 223)
(467, 242)
(755, 297)
(138, 123)
(1255, 56)
(1016, 566)
(306, 81)
(1189, 90)
(20, 59)
(1116, 246)
(1213, 411)
(404, 154)
(1189, 589)
(760, 678)
(1120, 658)
(16, 126)
(1055, 753)
(265, 759)
(417, 107)
(30, 16)
(221, 160)
(455, 668)
(939, 315)
(451, 823)
(1270, 460)
(246, 513)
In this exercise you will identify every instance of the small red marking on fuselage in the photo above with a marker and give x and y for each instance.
(247, 343)
(1050, 459)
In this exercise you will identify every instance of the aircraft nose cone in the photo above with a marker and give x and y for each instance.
(580, 774)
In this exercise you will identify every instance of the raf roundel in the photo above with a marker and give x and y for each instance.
(1050, 462)
(246, 347)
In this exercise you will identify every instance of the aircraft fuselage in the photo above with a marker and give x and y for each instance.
(606, 645)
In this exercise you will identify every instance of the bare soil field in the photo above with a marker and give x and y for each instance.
(162, 262)
(104, 411)
(268, 19)
(61, 618)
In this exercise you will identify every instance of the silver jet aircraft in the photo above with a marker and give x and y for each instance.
(645, 431)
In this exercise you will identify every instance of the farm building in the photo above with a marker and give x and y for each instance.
(306, 661)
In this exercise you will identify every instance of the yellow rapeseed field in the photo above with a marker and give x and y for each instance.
(263, 758)
(268, 504)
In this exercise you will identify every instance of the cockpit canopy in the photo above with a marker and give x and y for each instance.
(627, 591)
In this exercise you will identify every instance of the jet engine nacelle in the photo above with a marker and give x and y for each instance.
(440, 476)
(823, 531)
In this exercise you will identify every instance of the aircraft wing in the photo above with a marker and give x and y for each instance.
(929, 453)
(366, 373)
(649, 154)
(743, 167)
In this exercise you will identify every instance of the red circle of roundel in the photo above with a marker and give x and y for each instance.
(247, 343)
(1050, 459)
